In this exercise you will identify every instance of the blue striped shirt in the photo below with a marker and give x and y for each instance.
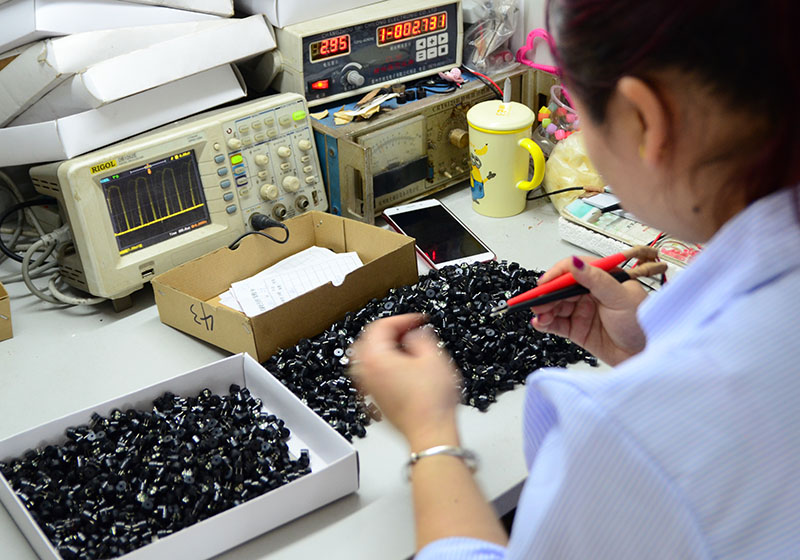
(691, 449)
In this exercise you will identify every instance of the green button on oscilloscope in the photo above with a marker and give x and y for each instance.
(298, 115)
(236, 159)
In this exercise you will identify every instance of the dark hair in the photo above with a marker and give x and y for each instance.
(746, 53)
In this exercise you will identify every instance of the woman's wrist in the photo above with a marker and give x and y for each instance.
(425, 437)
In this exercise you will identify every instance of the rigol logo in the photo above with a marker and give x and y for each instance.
(103, 166)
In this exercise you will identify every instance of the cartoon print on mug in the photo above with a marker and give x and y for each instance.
(476, 180)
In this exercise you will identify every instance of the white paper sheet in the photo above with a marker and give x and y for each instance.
(288, 279)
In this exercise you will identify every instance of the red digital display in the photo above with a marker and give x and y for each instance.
(410, 28)
(329, 48)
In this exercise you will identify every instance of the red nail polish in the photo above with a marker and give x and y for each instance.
(578, 263)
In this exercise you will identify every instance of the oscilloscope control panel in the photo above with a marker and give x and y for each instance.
(144, 205)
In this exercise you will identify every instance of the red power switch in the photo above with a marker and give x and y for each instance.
(321, 84)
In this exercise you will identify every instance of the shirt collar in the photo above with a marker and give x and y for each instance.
(756, 246)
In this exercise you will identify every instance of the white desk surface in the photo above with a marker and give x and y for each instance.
(62, 360)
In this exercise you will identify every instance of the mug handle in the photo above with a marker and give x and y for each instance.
(538, 164)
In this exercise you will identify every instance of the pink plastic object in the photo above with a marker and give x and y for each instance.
(538, 33)
(453, 75)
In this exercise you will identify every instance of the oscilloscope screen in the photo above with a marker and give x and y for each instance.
(156, 201)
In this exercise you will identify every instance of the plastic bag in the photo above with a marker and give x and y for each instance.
(569, 166)
(486, 42)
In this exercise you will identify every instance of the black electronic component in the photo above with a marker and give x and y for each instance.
(122, 480)
(493, 354)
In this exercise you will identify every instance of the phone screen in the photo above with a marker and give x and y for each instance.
(438, 234)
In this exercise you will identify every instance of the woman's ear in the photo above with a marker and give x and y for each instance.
(652, 122)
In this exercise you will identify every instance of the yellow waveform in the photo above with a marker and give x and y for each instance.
(186, 199)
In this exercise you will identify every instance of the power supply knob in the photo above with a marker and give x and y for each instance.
(234, 143)
(291, 183)
(261, 160)
(459, 138)
(354, 78)
(284, 151)
(304, 145)
(269, 191)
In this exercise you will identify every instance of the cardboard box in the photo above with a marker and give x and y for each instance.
(188, 296)
(5, 315)
(25, 21)
(334, 464)
(117, 77)
(281, 13)
(77, 134)
(36, 69)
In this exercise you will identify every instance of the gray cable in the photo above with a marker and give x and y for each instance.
(71, 300)
(26, 261)
(38, 273)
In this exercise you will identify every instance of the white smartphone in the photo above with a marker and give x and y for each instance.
(441, 238)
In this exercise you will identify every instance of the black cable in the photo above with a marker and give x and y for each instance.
(259, 222)
(554, 192)
(16, 208)
(488, 82)
(497, 92)
(433, 85)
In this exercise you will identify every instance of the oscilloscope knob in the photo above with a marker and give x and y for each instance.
(261, 160)
(304, 145)
(234, 143)
(291, 183)
(284, 151)
(269, 191)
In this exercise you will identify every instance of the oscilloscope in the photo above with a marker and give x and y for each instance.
(149, 203)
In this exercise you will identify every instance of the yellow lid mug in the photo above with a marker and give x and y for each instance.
(499, 146)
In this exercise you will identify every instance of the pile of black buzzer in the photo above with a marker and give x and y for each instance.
(493, 353)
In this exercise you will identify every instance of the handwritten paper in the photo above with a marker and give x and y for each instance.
(288, 279)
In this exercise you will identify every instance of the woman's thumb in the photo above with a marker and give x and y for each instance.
(603, 287)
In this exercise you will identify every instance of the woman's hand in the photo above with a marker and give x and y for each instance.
(410, 378)
(603, 321)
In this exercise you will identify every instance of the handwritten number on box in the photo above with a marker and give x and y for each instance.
(204, 318)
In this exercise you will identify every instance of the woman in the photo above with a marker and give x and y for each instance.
(689, 447)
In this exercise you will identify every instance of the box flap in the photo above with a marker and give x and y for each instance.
(110, 79)
(208, 276)
(77, 134)
(25, 21)
(288, 12)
